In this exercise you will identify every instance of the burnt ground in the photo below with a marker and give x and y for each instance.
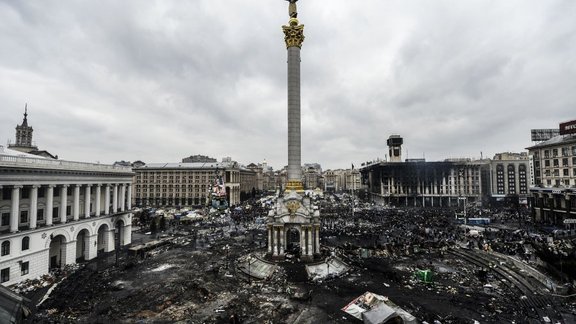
(194, 280)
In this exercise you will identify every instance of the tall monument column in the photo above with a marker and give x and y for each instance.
(294, 37)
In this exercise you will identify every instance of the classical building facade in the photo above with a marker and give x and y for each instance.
(56, 212)
(312, 176)
(510, 178)
(188, 184)
(554, 172)
(342, 180)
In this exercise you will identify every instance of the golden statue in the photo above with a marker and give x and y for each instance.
(292, 11)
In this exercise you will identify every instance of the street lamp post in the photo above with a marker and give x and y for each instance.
(227, 249)
(249, 259)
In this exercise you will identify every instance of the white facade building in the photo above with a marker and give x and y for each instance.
(54, 212)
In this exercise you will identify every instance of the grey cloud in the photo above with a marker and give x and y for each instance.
(159, 80)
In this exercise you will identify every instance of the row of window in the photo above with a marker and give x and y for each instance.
(151, 186)
(5, 247)
(556, 172)
(198, 179)
(565, 151)
(5, 273)
(556, 163)
(560, 182)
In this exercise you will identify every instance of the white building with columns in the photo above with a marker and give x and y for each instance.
(54, 213)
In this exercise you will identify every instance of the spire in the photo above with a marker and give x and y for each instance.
(25, 122)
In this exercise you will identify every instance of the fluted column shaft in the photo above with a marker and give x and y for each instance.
(294, 131)
(34, 206)
(123, 197)
(76, 213)
(129, 198)
(107, 200)
(63, 203)
(115, 199)
(87, 194)
(97, 200)
(15, 211)
(49, 204)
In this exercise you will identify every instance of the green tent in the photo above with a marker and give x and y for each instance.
(424, 275)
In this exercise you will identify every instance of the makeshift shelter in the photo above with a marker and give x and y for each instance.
(376, 309)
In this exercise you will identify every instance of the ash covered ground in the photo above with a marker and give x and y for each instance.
(192, 274)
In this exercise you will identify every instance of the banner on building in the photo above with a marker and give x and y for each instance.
(568, 128)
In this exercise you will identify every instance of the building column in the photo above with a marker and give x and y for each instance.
(317, 238)
(63, 203)
(34, 206)
(15, 211)
(129, 198)
(97, 200)
(282, 233)
(87, 194)
(123, 197)
(269, 239)
(76, 211)
(274, 241)
(49, 204)
(107, 199)
(115, 199)
(310, 240)
(302, 240)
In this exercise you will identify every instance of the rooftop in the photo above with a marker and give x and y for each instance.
(13, 158)
(556, 140)
(191, 165)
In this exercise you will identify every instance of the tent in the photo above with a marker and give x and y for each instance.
(376, 309)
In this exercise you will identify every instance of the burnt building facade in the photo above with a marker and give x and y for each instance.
(427, 184)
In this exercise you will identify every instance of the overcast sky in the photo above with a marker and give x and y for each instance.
(161, 80)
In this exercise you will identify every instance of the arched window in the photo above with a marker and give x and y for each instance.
(500, 179)
(511, 179)
(5, 248)
(25, 243)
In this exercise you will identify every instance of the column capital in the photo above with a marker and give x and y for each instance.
(18, 187)
(98, 185)
(293, 33)
(77, 185)
(65, 186)
(36, 186)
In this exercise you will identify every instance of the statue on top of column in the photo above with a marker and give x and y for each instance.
(292, 9)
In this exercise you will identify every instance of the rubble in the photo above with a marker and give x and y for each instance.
(201, 274)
